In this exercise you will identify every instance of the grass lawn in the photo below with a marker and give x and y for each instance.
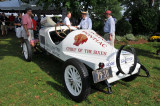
(40, 81)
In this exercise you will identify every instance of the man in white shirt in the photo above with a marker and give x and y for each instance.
(109, 28)
(86, 22)
(66, 20)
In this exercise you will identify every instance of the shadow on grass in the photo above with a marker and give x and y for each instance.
(10, 46)
(62, 90)
(146, 53)
(49, 64)
(157, 68)
(58, 88)
(52, 66)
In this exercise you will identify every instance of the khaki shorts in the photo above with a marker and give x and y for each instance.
(30, 37)
(106, 37)
(4, 27)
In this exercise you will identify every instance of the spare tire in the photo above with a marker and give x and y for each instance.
(118, 60)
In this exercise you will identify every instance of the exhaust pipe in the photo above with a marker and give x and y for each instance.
(146, 71)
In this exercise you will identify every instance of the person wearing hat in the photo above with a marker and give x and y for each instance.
(86, 22)
(109, 27)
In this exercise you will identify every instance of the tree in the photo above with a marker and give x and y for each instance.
(96, 8)
(25, 1)
(143, 16)
(123, 27)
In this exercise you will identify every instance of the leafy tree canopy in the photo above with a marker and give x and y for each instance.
(94, 7)
(143, 15)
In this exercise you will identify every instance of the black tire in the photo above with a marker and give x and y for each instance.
(27, 51)
(132, 77)
(83, 72)
(118, 60)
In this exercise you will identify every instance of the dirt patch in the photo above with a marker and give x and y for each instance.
(140, 41)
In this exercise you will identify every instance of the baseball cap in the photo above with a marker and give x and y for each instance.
(108, 12)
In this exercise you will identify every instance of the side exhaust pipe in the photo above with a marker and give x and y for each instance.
(146, 71)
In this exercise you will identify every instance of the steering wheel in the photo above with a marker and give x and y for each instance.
(61, 31)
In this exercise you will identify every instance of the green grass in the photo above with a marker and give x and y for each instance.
(40, 82)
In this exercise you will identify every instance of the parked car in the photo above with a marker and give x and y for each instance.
(155, 37)
(87, 57)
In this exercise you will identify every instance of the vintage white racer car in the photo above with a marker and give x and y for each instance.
(87, 58)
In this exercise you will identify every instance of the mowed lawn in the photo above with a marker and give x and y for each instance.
(40, 82)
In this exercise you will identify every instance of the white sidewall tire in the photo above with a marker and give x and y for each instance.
(73, 80)
(84, 81)
(27, 51)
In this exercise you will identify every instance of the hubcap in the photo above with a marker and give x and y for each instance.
(73, 80)
(25, 50)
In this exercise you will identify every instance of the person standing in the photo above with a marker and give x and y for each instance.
(11, 19)
(67, 19)
(18, 25)
(109, 28)
(35, 17)
(4, 24)
(86, 22)
(28, 25)
(34, 26)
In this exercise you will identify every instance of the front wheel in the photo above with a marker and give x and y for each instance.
(27, 50)
(76, 79)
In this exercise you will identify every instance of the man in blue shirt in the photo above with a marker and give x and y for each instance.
(109, 28)
(86, 22)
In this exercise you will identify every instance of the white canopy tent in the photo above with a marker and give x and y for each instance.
(15, 6)
(9, 3)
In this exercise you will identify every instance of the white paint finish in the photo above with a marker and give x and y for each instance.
(67, 50)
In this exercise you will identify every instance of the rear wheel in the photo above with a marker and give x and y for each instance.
(76, 79)
(27, 50)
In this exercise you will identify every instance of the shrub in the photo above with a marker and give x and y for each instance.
(119, 38)
(123, 27)
(122, 39)
(125, 41)
(130, 37)
(142, 37)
